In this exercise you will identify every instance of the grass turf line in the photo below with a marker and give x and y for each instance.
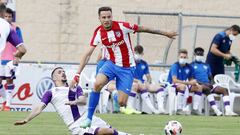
(51, 124)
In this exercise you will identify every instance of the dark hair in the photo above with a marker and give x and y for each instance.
(235, 28)
(2, 8)
(9, 11)
(138, 49)
(55, 70)
(198, 49)
(104, 9)
(183, 51)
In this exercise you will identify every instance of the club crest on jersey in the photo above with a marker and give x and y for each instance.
(118, 33)
(205, 67)
(187, 71)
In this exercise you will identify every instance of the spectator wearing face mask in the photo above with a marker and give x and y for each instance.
(202, 73)
(144, 86)
(220, 49)
(180, 75)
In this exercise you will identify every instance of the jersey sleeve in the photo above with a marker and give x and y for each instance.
(96, 38)
(217, 40)
(146, 70)
(79, 91)
(129, 28)
(14, 39)
(191, 72)
(192, 69)
(19, 33)
(47, 97)
(209, 71)
(174, 70)
(229, 48)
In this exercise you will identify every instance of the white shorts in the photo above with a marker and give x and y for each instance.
(6, 72)
(96, 122)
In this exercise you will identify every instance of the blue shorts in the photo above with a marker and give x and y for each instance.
(124, 76)
(216, 68)
(100, 64)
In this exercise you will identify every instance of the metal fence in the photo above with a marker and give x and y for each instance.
(194, 30)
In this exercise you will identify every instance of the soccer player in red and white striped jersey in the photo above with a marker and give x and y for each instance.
(115, 36)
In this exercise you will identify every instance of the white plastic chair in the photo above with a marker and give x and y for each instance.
(163, 79)
(87, 83)
(171, 104)
(225, 81)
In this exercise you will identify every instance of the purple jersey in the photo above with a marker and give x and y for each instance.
(58, 96)
(6, 34)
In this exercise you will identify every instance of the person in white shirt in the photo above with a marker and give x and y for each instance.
(8, 35)
(70, 105)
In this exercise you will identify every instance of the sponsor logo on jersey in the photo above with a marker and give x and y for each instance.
(116, 44)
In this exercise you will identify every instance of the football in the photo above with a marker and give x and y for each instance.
(173, 128)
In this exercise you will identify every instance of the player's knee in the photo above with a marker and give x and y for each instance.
(225, 91)
(196, 88)
(143, 87)
(135, 87)
(221, 90)
(206, 92)
(111, 87)
(122, 102)
(9, 81)
(98, 86)
(105, 131)
(181, 87)
(200, 88)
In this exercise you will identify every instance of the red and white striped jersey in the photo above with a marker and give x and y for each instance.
(117, 41)
(105, 54)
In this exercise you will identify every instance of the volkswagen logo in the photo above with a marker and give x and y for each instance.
(43, 85)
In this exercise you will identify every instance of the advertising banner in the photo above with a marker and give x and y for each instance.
(34, 79)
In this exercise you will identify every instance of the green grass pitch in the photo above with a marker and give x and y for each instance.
(51, 124)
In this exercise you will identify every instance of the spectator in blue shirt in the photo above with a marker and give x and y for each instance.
(180, 75)
(145, 86)
(220, 49)
(202, 73)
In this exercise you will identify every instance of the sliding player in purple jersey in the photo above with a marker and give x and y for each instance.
(70, 105)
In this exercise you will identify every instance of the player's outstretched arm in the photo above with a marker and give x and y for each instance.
(159, 32)
(82, 100)
(83, 61)
(35, 112)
